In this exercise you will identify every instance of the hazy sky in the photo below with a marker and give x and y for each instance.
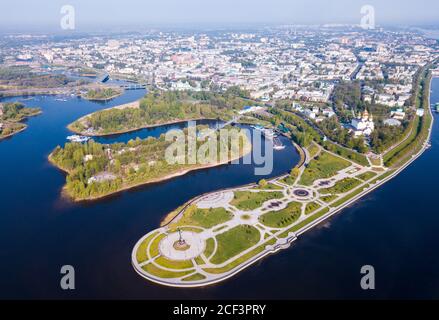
(102, 13)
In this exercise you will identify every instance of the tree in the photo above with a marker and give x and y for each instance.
(263, 183)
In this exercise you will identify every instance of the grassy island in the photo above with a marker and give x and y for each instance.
(96, 170)
(102, 94)
(11, 117)
(161, 107)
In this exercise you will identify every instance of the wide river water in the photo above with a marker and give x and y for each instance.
(395, 228)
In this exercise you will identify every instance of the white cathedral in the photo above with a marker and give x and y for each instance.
(363, 124)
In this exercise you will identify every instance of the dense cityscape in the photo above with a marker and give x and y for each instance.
(304, 65)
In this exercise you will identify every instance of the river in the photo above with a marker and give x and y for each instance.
(395, 228)
(41, 231)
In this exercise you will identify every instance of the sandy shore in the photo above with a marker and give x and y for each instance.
(94, 134)
(102, 99)
(13, 133)
(133, 105)
(22, 129)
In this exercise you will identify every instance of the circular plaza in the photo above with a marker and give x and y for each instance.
(184, 246)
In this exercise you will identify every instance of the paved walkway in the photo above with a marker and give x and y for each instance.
(270, 238)
(196, 246)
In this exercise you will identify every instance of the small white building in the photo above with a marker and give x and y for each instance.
(420, 112)
(392, 122)
(309, 113)
(88, 157)
(398, 114)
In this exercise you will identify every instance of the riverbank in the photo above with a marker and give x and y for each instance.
(207, 273)
(94, 134)
(2, 137)
(247, 148)
(102, 98)
(160, 108)
(19, 122)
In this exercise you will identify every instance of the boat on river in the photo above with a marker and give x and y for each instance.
(77, 138)
(258, 127)
(277, 144)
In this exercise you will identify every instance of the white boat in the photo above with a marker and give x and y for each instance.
(76, 138)
(277, 144)
(258, 128)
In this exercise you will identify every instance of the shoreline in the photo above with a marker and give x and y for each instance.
(134, 104)
(180, 173)
(14, 133)
(22, 129)
(137, 129)
(103, 99)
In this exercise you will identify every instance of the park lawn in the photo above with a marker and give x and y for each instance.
(394, 152)
(235, 241)
(305, 222)
(154, 248)
(342, 186)
(247, 200)
(366, 176)
(195, 277)
(323, 166)
(349, 196)
(162, 273)
(313, 150)
(199, 260)
(210, 246)
(282, 218)
(289, 180)
(141, 254)
(311, 207)
(205, 218)
(347, 153)
(194, 229)
(382, 177)
(235, 263)
(375, 161)
(270, 186)
(173, 264)
(329, 198)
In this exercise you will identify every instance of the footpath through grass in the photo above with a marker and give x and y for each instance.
(282, 218)
(205, 218)
(247, 200)
(323, 166)
(342, 186)
(235, 241)
(346, 153)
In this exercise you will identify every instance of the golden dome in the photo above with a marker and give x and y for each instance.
(365, 115)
